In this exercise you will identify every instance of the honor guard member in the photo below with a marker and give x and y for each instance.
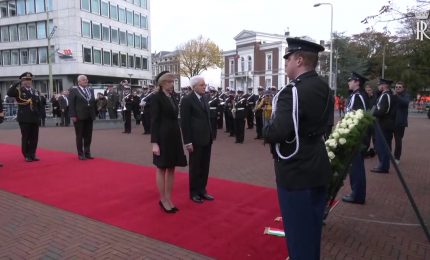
(220, 109)
(29, 110)
(357, 176)
(239, 116)
(385, 114)
(228, 106)
(145, 102)
(299, 118)
(1, 116)
(127, 108)
(213, 107)
(251, 100)
(259, 113)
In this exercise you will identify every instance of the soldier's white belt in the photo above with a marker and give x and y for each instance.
(241, 108)
(212, 108)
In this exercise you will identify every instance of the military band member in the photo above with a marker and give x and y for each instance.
(299, 119)
(228, 106)
(1, 116)
(357, 177)
(112, 101)
(220, 109)
(145, 102)
(239, 116)
(127, 109)
(259, 114)
(29, 110)
(213, 108)
(385, 114)
(250, 106)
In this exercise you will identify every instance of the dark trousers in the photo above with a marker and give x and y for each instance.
(84, 133)
(112, 113)
(357, 178)
(29, 138)
(399, 132)
(383, 153)
(127, 121)
(65, 118)
(199, 169)
(214, 123)
(239, 127)
(227, 121)
(302, 214)
(250, 118)
(136, 115)
(259, 124)
(220, 119)
(147, 121)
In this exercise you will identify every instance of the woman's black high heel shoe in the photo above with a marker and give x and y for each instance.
(166, 210)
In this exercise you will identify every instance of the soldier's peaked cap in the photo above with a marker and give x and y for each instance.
(297, 44)
(385, 81)
(358, 77)
(26, 76)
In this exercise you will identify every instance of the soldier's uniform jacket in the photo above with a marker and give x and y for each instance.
(310, 167)
(29, 105)
(385, 112)
(240, 105)
(251, 101)
(357, 100)
(128, 102)
(213, 106)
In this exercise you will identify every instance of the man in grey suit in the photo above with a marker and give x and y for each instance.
(197, 134)
(82, 109)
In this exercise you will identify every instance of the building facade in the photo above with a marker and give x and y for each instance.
(108, 40)
(167, 61)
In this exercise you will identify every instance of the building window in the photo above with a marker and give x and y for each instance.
(106, 34)
(50, 5)
(144, 63)
(29, 4)
(24, 57)
(95, 6)
(97, 56)
(136, 19)
(129, 17)
(87, 55)
(4, 34)
(3, 10)
(268, 61)
(249, 63)
(86, 29)
(123, 60)
(143, 22)
(114, 12)
(13, 33)
(14, 57)
(20, 7)
(115, 59)
(114, 35)
(12, 8)
(43, 55)
(85, 5)
(138, 63)
(268, 83)
(40, 6)
(22, 32)
(6, 57)
(122, 38)
(32, 56)
(144, 42)
(106, 58)
(137, 41)
(41, 30)
(130, 39)
(105, 9)
(31, 29)
(96, 31)
(143, 4)
(130, 61)
(242, 64)
(121, 15)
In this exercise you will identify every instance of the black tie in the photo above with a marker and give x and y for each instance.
(202, 102)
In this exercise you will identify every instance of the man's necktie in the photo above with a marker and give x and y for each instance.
(202, 102)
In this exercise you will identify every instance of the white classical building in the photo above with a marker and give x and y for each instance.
(108, 40)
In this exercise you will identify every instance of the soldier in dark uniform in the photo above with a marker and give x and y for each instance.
(357, 177)
(1, 116)
(213, 108)
(43, 111)
(220, 109)
(112, 102)
(127, 109)
(239, 116)
(145, 102)
(228, 106)
(385, 114)
(300, 115)
(250, 105)
(29, 109)
(136, 107)
(259, 114)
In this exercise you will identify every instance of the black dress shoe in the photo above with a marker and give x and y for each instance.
(81, 157)
(207, 197)
(1, 164)
(377, 170)
(35, 159)
(196, 199)
(350, 199)
(28, 159)
(170, 211)
(88, 156)
(175, 209)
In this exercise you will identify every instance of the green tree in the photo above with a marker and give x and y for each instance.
(198, 55)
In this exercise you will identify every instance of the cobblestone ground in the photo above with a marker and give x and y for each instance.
(384, 228)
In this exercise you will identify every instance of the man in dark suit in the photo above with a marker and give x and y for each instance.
(29, 109)
(401, 123)
(299, 120)
(385, 114)
(197, 135)
(82, 108)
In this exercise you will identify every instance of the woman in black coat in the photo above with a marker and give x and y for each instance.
(167, 147)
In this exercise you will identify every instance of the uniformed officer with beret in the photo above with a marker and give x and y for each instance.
(357, 177)
(29, 111)
(300, 115)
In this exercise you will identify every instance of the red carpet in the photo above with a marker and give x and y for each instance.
(124, 195)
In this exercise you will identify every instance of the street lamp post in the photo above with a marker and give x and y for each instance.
(129, 75)
(330, 77)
